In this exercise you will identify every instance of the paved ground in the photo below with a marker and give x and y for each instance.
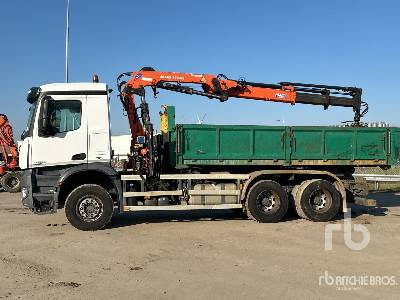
(198, 255)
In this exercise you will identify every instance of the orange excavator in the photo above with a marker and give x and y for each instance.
(10, 178)
(222, 88)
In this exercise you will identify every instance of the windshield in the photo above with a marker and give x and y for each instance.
(29, 126)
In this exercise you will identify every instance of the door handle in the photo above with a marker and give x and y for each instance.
(79, 156)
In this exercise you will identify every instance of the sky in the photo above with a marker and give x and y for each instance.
(349, 43)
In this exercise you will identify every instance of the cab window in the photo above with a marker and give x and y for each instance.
(65, 115)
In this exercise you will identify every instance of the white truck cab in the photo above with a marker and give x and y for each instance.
(68, 131)
(70, 123)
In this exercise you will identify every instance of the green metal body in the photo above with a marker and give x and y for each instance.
(242, 145)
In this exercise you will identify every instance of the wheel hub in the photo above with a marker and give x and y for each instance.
(89, 209)
(12, 182)
(267, 201)
(319, 201)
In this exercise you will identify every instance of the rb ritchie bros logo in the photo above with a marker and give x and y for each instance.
(355, 282)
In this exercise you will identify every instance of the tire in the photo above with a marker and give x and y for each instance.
(317, 200)
(267, 202)
(89, 207)
(11, 182)
(297, 192)
(292, 206)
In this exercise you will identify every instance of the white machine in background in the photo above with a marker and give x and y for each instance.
(120, 145)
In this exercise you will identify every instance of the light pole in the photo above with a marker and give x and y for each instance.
(67, 44)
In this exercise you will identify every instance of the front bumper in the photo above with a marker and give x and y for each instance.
(26, 189)
(31, 196)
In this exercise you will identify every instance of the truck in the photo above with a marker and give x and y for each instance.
(262, 170)
(10, 174)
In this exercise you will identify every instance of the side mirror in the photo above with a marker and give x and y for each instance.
(23, 135)
(33, 94)
(44, 121)
(44, 117)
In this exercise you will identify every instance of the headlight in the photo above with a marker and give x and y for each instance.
(24, 192)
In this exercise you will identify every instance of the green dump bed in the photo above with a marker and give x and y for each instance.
(286, 146)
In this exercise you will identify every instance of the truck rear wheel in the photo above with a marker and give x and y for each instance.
(317, 200)
(267, 202)
(11, 182)
(89, 207)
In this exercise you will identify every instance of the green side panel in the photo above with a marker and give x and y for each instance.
(279, 145)
(205, 142)
(199, 143)
(307, 143)
(171, 143)
(234, 143)
(394, 148)
(171, 117)
(339, 144)
(371, 143)
(270, 142)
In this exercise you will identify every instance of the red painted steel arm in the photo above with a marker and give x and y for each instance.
(213, 85)
(7, 141)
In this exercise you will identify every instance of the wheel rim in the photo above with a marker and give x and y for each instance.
(89, 208)
(268, 202)
(12, 182)
(320, 200)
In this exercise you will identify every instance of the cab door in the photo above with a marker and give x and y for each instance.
(66, 143)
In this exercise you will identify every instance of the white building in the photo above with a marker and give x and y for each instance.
(120, 144)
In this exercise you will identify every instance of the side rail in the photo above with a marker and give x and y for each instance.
(193, 191)
(264, 195)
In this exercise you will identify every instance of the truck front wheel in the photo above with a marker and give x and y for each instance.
(267, 202)
(89, 207)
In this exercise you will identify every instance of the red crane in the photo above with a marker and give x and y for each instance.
(10, 178)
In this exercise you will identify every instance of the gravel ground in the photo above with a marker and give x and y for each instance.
(195, 255)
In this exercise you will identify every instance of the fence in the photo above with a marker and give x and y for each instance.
(376, 178)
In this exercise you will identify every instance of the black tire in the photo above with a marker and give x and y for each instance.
(89, 207)
(319, 201)
(267, 202)
(11, 182)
